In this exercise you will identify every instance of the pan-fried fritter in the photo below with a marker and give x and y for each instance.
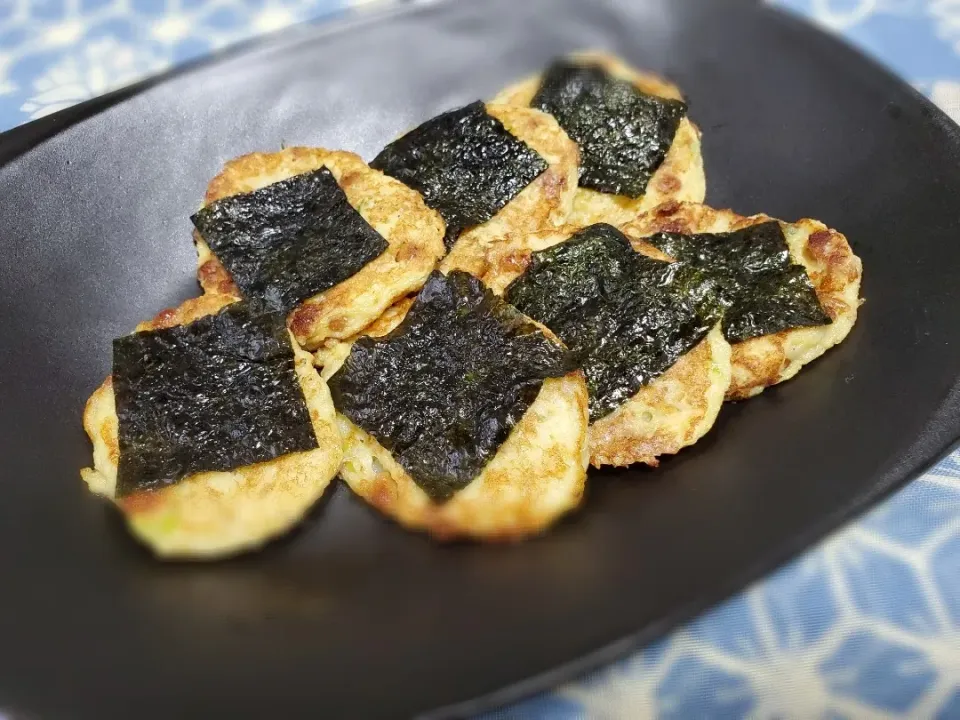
(543, 203)
(546, 201)
(414, 235)
(679, 177)
(669, 414)
(829, 262)
(672, 412)
(216, 514)
(536, 475)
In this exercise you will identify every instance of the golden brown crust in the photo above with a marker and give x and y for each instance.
(537, 475)
(669, 414)
(331, 355)
(413, 231)
(211, 274)
(187, 311)
(833, 269)
(216, 514)
(543, 204)
(680, 177)
(674, 411)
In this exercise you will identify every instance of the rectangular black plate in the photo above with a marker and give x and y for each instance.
(352, 617)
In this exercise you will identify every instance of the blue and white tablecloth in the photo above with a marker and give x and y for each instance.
(867, 625)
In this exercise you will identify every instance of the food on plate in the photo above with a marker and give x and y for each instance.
(793, 289)
(627, 316)
(317, 234)
(673, 412)
(330, 357)
(489, 170)
(637, 146)
(508, 293)
(647, 333)
(466, 420)
(214, 433)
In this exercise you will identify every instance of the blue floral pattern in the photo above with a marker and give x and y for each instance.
(866, 625)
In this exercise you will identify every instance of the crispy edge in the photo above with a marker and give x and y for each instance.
(695, 385)
(191, 519)
(680, 177)
(537, 475)
(669, 414)
(413, 231)
(557, 464)
(830, 262)
(333, 354)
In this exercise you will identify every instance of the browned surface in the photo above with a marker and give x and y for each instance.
(187, 312)
(674, 411)
(543, 205)
(681, 175)
(669, 414)
(537, 475)
(212, 514)
(831, 264)
(414, 234)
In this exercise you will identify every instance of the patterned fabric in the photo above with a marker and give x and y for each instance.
(918, 39)
(867, 625)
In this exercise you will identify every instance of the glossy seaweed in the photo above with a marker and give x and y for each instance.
(444, 389)
(624, 134)
(217, 394)
(626, 316)
(290, 240)
(753, 272)
(465, 164)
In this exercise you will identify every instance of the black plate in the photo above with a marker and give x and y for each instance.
(350, 617)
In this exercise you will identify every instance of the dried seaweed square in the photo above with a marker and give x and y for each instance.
(754, 274)
(465, 164)
(291, 240)
(216, 394)
(444, 389)
(624, 134)
(628, 317)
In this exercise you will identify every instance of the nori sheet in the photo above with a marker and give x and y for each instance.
(628, 317)
(444, 389)
(623, 133)
(464, 163)
(755, 275)
(216, 394)
(290, 240)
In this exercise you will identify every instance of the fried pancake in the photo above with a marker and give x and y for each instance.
(829, 261)
(536, 476)
(215, 514)
(672, 412)
(669, 414)
(680, 177)
(542, 205)
(413, 231)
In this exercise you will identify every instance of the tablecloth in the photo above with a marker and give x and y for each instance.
(865, 625)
